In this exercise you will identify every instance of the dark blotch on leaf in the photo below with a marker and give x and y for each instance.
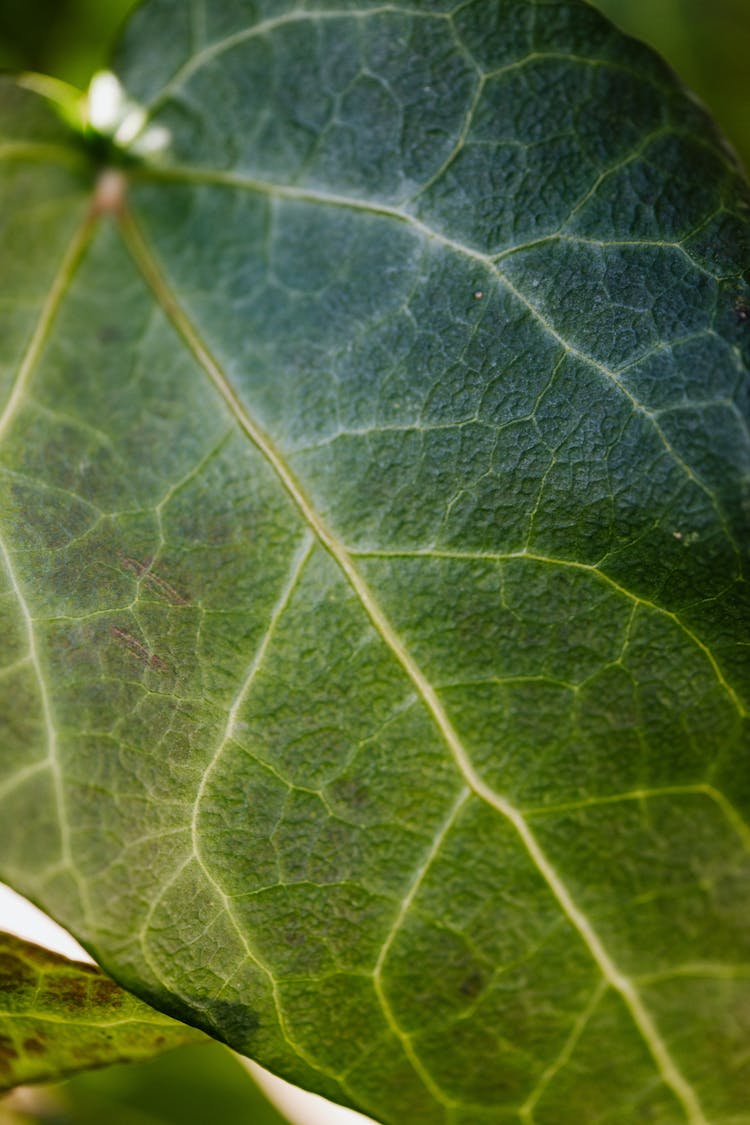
(73, 994)
(7, 1049)
(235, 1022)
(15, 975)
(471, 985)
(106, 992)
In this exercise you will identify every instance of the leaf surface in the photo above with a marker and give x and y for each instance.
(59, 1016)
(376, 671)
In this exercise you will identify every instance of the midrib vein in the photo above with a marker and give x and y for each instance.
(181, 174)
(156, 280)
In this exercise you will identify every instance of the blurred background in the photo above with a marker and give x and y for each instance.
(708, 43)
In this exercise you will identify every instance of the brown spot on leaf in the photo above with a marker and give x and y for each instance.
(106, 992)
(159, 585)
(139, 650)
(471, 985)
(15, 975)
(33, 1046)
(294, 936)
(7, 1048)
(71, 993)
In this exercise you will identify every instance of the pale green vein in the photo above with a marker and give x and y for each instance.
(696, 970)
(70, 262)
(591, 568)
(52, 760)
(299, 562)
(60, 285)
(264, 27)
(182, 174)
(622, 984)
(146, 927)
(699, 789)
(460, 140)
(385, 1004)
(526, 1112)
(408, 428)
(9, 670)
(20, 777)
(247, 955)
(613, 243)
(32, 152)
(211, 51)
(48, 1017)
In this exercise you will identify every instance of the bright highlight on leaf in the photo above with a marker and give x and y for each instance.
(58, 1017)
(111, 113)
(374, 537)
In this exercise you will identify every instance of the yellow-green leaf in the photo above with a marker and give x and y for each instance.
(59, 1016)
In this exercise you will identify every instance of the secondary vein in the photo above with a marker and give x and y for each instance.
(68, 267)
(60, 285)
(490, 262)
(665, 1064)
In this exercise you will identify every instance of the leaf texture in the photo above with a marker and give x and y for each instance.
(374, 530)
(59, 1016)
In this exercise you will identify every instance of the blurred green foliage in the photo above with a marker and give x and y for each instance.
(190, 1086)
(706, 41)
(194, 1085)
(67, 38)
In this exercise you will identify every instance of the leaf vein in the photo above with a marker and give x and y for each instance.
(572, 564)
(443, 830)
(489, 262)
(526, 1112)
(665, 1064)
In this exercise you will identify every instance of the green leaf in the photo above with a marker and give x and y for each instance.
(188, 1086)
(707, 44)
(376, 457)
(65, 37)
(59, 1016)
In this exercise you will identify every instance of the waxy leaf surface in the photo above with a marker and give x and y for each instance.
(374, 517)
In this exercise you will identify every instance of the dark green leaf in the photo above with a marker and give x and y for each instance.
(376, 513)
(708, 46)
